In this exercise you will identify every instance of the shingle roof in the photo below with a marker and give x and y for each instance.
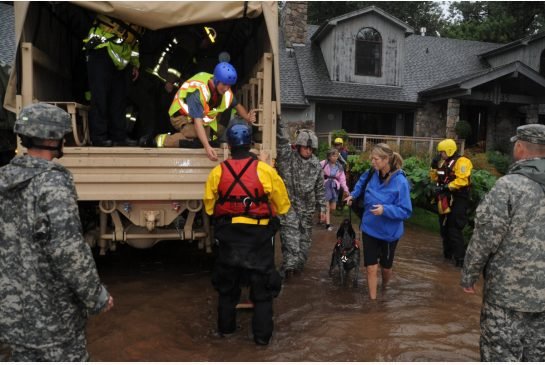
(291, 90)
(432, 60)
(480, 76)
(428, 61)
(518, 43)
(7, 34)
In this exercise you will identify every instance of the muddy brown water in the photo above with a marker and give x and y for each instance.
(165, 310)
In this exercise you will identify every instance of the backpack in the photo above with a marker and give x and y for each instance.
(357, 204)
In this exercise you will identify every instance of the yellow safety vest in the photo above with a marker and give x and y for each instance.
(200, 82)
(121, 44)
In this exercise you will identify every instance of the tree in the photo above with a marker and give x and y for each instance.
(416, 14)
(495, 21)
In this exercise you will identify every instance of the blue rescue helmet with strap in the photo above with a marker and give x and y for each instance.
(239, 134)
(225, 73)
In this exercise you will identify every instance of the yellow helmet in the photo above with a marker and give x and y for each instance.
(338, 140)
(448, 146)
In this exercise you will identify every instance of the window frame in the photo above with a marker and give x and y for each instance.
(358, 44)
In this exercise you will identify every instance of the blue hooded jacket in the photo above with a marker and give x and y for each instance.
(396, 199)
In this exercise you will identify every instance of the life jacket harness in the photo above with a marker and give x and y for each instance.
(446, 174)
(235, 191)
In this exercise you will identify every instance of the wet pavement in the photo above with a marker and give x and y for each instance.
(165, 310)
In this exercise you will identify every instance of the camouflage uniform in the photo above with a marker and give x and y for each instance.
(8, 141)
(508, 243)
(304, 181)
(48, 282)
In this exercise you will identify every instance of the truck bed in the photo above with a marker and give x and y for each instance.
(130, 173)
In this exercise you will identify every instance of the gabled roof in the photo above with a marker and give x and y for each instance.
(326, 27)
(428, 61)
(515, 44)
(318, 86)
(468, 82)
(7, 34)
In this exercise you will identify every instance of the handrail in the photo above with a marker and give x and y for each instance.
(360, 141)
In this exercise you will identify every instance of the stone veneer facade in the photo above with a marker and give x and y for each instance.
(294, 22)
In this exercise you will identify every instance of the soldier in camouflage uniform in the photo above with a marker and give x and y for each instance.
(304, 179)
(508, 243)
(8, 141)
(48, 279)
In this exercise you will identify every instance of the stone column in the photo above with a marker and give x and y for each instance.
(532, 114)
(453, 116)
(293, 20)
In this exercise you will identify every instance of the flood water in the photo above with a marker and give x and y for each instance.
(165, 310)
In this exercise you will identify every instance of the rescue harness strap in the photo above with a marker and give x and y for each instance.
(247, 200)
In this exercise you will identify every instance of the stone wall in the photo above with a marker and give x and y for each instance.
(502, 124)
(429, 120)
(294, 22)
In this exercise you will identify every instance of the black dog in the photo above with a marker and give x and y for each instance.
(346, 253)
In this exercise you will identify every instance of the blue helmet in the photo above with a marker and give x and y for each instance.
(239, 134)
(225, 73)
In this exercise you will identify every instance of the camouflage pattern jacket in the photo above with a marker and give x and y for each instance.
(304, 179)
(48, 278)
(508, 242)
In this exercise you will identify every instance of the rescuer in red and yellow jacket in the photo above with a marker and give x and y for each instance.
(244, 195)
(452, 175)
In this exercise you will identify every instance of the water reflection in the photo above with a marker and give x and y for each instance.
(166, 311)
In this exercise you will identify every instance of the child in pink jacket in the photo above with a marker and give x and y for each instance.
(334, 178)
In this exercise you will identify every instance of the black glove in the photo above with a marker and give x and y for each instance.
(435, 162)
(441, 189)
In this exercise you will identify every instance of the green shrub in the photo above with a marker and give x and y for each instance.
(323, 147)
(417, 171)
(463, 129)
(357, 165)
(339, 133)
(500, 161)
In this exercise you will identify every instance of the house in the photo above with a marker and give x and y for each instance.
(369, 72)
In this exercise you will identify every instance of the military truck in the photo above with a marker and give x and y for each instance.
(136, 195)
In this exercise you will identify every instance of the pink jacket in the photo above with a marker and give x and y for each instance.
(340, 177)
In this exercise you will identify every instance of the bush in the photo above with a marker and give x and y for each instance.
(463, 129)
(417, 171)
(323, 147)
(339, 133)
(500, 161)
(357, 165)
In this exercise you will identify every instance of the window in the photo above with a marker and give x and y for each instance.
(368, 53)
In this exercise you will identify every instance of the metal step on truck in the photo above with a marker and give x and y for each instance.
(142, 195)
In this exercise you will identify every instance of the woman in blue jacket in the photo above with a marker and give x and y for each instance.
(387, 203)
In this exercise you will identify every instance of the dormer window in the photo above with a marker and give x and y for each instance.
(368, 53)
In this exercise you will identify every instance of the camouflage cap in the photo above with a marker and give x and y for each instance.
(307, 138)
(533, 133)
(43, 121)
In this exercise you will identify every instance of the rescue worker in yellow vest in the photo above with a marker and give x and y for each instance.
(452, 175)
(111, 46)
(244, 195)
(196, 106)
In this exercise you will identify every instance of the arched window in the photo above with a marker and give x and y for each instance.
(368, 52)
(542, 64)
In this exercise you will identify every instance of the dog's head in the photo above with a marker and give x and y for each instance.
(346, 234)
(346, 228)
